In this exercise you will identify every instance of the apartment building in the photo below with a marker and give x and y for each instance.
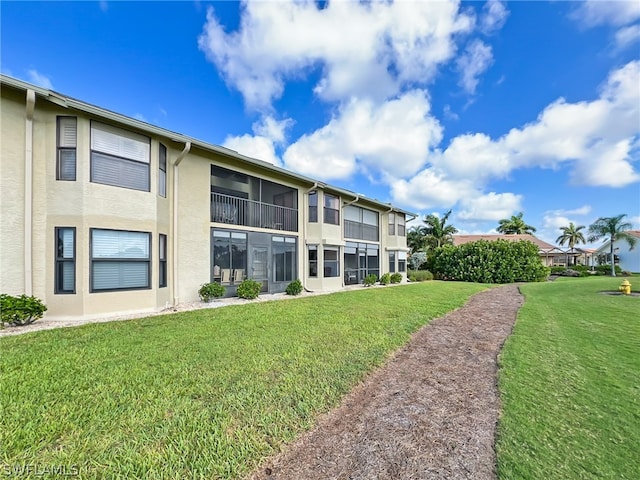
(103, 214)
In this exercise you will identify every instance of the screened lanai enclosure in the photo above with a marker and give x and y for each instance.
(241, 199)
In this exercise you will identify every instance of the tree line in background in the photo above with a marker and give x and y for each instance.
(432, 242)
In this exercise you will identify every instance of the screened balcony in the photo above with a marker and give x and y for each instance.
(240, 199)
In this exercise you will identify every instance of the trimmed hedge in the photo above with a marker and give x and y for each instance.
(420, 275)
(500, 261)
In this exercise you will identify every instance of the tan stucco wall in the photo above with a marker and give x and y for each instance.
(85, 205)
(12, 153)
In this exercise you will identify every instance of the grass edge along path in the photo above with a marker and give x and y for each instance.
(570, 384)
(201, 394)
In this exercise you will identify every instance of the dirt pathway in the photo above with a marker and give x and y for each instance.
(429, 413)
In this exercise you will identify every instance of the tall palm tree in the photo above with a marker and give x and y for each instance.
(571, 235)
(612, 229)
(515, 225)
(436, 230)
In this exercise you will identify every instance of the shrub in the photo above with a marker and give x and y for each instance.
(417, 259)
(294, 288)
(396, 278)
(500, 261)
(211, 290)
(385, 279)
(605, 269)
(370, 279)
(22, 310)
(249, 289)
(420, 275)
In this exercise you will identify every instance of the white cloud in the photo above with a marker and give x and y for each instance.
(494, 15)
(39, 79)
(391, 138)
(475, 60)
(141, 117)
(431, 188)
(627, 35)
(491, 206)
(598, 12)
(599, 141)
(258, 147)
(581, 211)
(269, 132)
(398, 44)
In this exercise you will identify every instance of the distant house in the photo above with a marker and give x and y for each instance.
(628, 259)
(549, 254)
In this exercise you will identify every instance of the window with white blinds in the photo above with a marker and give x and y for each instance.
(67, 137)
(119, 157)
(65, 281)
(120, 260)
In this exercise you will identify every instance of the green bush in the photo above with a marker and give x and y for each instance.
(396, 278)
(211, 290)
(21, 310)
(294, 288)
(420, 275)
(370, 279)
(385, 279)
(605, 269)
(249, 289)
(500, 261)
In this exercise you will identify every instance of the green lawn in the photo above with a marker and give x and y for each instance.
(203, 394)
(570, 384)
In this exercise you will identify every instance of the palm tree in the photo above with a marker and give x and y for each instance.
(612, 229)
(416, 238)
(436, 230)
(571, 235)
(515, 225)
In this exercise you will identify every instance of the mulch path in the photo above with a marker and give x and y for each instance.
(429, 413)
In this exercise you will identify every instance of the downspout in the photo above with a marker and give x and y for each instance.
(304, 236)
(181, 156)
(28, 193)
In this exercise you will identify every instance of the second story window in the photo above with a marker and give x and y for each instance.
(331, 209)
(313, 206)
(392, 224)
(401, 224)
(119, 157)
(66, 160)
(162, 171)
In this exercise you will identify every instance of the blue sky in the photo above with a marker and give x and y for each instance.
(486, 108)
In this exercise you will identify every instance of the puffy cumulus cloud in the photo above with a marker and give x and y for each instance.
(431, 188)
(489, 207)
(397, 43)
(392, 138)
(39, 79)
(261, 148)
(598, 12)
(493, 17)
(268, 132)
(475, 60)
(598, 140)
